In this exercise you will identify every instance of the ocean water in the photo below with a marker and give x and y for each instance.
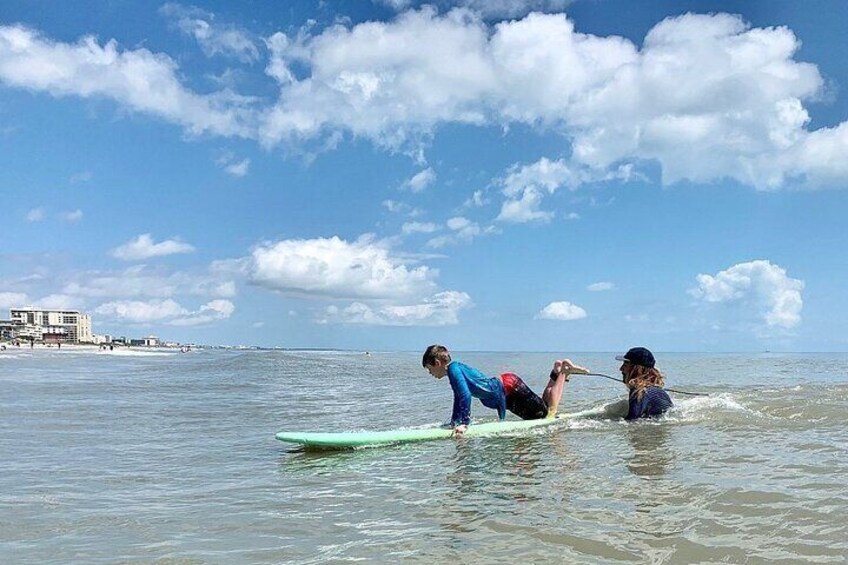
(143, 457)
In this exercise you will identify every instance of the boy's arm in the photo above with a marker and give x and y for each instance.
(461, 398)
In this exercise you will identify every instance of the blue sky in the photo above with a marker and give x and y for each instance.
(528, 175)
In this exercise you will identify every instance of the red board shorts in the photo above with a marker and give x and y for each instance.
(522, 401)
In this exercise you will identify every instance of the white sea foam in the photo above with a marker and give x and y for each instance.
(684, 410)
(135, 353)
(591, 423)
(7, 355)
(715, 402)
(80, 350)
(708, 407)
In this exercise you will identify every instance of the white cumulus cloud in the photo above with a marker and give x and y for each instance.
(59, 302)
(525, 209)
(143, 281)
(419, 227)
(494, 9)
(525, 186)
(388, 290)
(213, 38)
(761, 284)
(562, 310)
(232, 165)
(395, 4)
(13, 300)
(166, 311)
(141, 311)
(72, 217)
(238, 169)
(138, 79)
(143, 247)
(396, 207)
(707, 97)
(441, 309)
(462, 229)
(207, 313)
(335, 268)
(600, 286)
(421, 180)
(35, 215)
(513, 8)
(476, 200)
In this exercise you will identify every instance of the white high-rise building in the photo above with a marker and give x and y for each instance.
(68, 326)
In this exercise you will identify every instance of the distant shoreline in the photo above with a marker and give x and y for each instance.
(189, 347)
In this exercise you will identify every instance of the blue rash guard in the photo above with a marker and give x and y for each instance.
(654, 402)
(467, 382)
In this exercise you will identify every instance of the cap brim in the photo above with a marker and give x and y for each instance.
(620, 358)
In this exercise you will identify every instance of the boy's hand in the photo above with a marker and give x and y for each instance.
(459, 430)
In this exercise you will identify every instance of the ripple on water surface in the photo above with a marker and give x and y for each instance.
(171, 457)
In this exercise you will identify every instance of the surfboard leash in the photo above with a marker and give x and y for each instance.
(619, 381)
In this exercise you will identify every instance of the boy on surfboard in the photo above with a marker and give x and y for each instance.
(506, 392)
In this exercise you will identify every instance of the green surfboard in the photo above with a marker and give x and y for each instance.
(347, 440)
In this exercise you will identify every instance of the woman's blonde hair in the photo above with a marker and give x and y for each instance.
(642, 377)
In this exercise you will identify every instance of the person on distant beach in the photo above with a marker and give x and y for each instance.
(506, 392)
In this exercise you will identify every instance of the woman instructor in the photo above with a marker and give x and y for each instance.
(647, 397)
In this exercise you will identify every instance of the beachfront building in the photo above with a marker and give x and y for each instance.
(98, 339)
(55, 326)
(54, 334)
(8, 330)
(149, 341)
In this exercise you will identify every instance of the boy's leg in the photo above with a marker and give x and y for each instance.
(559, 376)
(553, 392)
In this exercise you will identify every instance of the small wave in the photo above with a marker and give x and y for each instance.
(684, 410)
(430, 425)
(133, 353)
(708, 407)
(5, 355)
(715, 402)
(592, 423)
(320, 352)
(774, 390)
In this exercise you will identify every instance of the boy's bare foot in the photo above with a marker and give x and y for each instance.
(569, 368)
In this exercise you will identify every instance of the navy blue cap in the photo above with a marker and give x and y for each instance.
(639, 356)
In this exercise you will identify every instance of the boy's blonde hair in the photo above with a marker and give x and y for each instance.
(434, 352)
